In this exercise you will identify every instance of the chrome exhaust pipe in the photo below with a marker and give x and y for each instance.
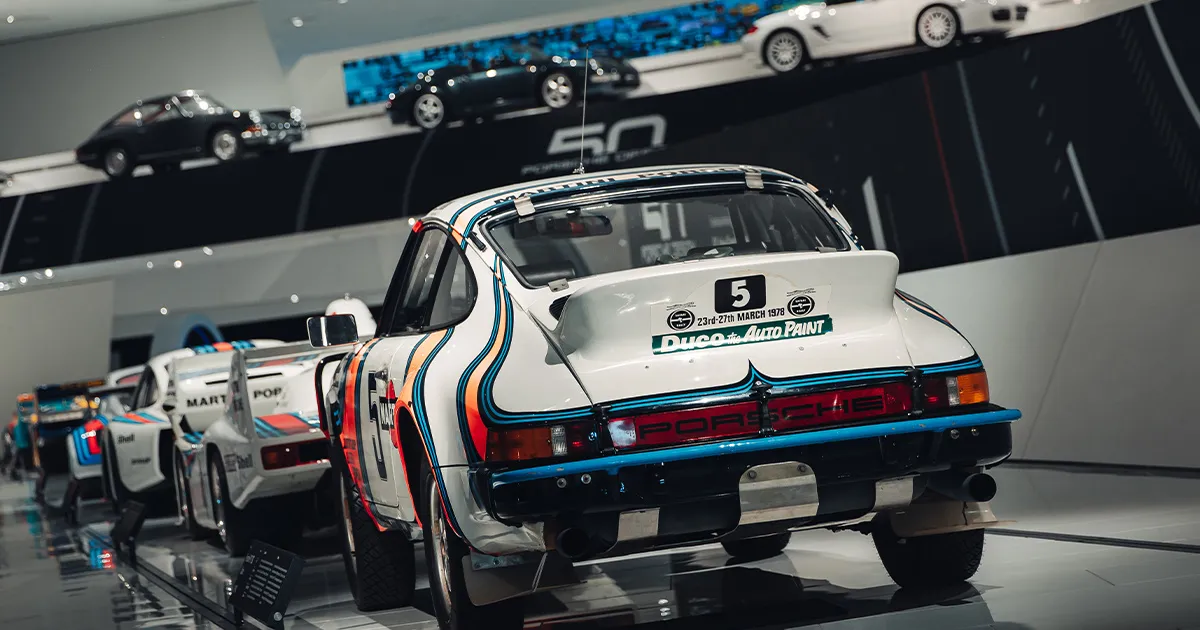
(967, 487)
(573, 543)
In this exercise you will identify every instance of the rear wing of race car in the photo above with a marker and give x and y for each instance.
(255, 416)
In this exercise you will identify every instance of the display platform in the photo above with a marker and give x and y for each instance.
(1089, 550)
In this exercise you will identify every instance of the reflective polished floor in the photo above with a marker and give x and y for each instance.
(1089, 551)
(53, 577)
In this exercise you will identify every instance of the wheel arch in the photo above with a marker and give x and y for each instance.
(412, 455)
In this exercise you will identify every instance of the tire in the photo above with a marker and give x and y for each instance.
(224, 145)
(118, 496)
(234, 526)
(380, 566)
(937, 26)
(185, 501)
(927, 561)
(428, 111)
(444, 552)
(118, 162)
(784, 51)
(556, 90)
(757, 548)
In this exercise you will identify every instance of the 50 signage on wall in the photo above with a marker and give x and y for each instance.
(600, 144)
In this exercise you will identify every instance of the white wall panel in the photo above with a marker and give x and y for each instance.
(57, 90)
(1125, 388)
(1016, 311)
(52, 336)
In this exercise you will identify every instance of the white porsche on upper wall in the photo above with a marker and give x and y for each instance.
(789, 39)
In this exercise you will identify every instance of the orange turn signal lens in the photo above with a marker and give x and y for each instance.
(972, 388)
(953, 391)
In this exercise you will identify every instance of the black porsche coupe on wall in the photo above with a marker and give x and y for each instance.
(522, 77)
(166, 130)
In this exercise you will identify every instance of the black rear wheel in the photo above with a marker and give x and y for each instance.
(112, 473)
(927, 561)
(444, 554)
(757, 548)
(234, 526)
(184, 496)
(380, 566)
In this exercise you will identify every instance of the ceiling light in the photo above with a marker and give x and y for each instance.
(343, 1)
(297, 22)
(207, 251)
(22, 279)
(149, 264)
(412, 221)
(295, 298)
(49, 273)
(11, 19)
(178, 264)
(163, 310)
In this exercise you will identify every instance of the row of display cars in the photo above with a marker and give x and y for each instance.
(166, 130)
(534, 396)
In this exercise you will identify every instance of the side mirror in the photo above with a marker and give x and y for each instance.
(168, 404)
(332, 330)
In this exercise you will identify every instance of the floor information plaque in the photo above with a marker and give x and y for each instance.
(264, 584)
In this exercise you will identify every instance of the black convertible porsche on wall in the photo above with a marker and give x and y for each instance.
(519, 78)
(166, 130)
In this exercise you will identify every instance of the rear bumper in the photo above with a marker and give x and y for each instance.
(695, 489)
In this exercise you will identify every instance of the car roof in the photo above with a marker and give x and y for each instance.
(465, 211)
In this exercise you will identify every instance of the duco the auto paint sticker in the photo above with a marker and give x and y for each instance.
(740, 310)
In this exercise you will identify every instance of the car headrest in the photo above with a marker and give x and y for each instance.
(545, 273)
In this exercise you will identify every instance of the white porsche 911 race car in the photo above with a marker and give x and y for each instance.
(787, 40)
(83, 447)
(598, 365)
(258, 468)
(136, 448)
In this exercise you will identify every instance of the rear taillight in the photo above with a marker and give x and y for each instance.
(545, 442)
(752, 29)
(295, 454)
(954, 391)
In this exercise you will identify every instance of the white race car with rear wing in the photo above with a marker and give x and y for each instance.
(598, 365)
(136, 447)
(257, 467)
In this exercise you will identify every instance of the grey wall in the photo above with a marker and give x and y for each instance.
(56, 91)
(53, 336)
(1096, 344)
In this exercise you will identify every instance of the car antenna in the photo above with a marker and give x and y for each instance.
(587, 67)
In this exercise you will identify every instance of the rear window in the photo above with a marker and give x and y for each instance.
(603, 238)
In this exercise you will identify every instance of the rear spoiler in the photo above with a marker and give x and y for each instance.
(237, 408)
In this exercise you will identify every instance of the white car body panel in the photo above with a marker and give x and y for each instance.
(869, 26)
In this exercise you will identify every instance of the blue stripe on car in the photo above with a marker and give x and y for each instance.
(614, 463)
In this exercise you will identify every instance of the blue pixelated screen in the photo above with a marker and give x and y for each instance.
(646, 34)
